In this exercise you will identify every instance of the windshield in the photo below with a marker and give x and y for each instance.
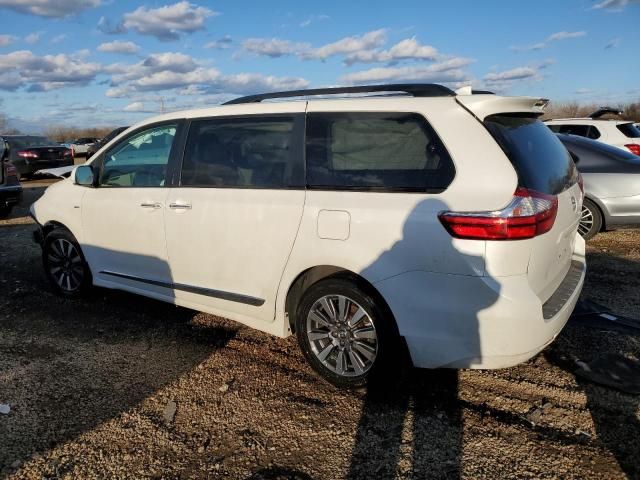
(26, 142)
(542, 162)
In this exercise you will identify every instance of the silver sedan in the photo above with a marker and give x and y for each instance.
(612, 184)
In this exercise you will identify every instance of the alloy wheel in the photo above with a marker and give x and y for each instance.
(65, 264)
(342, 335)
(586, 221)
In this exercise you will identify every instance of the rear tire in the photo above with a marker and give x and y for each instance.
(344, 333)
(64, 264)
(590, 220)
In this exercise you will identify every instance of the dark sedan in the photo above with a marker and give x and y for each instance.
(612, 184)
(30, 153)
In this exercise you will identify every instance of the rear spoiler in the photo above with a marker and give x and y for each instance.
(484, 105)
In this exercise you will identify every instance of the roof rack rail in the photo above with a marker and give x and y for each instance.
(415, 89)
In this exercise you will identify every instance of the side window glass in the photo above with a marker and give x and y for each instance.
(580, 130)
(243, 153)
(594, 132)
(140, 160)
(369, 151)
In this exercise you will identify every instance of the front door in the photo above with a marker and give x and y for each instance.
(123, 218)
(232, 221)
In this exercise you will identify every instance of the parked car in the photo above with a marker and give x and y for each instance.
(439, 223)
(29, 153)
(611, 183)
(10, 189)
(94, 147)
(618, 133)
(81, 145)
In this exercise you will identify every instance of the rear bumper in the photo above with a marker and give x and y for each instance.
(461, 321)
(10, 196)
(622, 210)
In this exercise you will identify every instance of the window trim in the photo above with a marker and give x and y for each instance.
(98, 162)
(376, 189)
(298, 148)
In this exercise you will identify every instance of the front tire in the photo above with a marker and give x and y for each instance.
(343, 332)
(590, 220)
(64, 264)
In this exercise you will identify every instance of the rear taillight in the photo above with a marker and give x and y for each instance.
(529, 214)
(68, 153)
(634, 148)
(10, 170)
(27, 154)
(73, 151)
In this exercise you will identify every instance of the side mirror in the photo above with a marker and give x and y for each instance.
(84, 176)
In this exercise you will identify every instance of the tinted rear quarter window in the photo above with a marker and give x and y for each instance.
(580, 130)
(629, 130)
(540, 159)
(375, 151)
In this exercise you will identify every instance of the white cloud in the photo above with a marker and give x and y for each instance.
(564, 35)
(313, 19)
(615, 5)
(168, 22)
(407, 49)
(136, 107)
(273, 47)
(6, 40)
(119, 46)
(111, 28)
(33, 38)
(505, 79)
(220, 44)
(345, 46)
(49, 8)
(613, 43)
(583, 91)
(59, 38)
(442, 72)
(41, 73)
(177, 71)
(554, 37)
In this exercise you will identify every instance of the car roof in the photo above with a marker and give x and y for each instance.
(588, 120)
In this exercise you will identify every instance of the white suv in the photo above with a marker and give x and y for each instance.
(439, 223)
(618, 133)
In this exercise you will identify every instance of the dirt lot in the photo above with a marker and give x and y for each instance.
(91, 383)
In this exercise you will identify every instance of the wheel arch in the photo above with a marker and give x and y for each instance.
(305, 279)
(603, 211)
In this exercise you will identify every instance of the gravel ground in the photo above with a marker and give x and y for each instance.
(118, 386)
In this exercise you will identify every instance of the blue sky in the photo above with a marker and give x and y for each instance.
(110, 62)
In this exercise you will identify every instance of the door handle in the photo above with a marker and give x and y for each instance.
(180, 206)
(153, 205)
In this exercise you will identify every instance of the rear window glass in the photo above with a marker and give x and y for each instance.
(24, 142)
(540, 159)
(375, 151)
(629, 130)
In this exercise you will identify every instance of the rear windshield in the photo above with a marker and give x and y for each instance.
(629, 130)
(24, 142)
(541, 161)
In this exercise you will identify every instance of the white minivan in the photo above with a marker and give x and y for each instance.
(406, 219)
